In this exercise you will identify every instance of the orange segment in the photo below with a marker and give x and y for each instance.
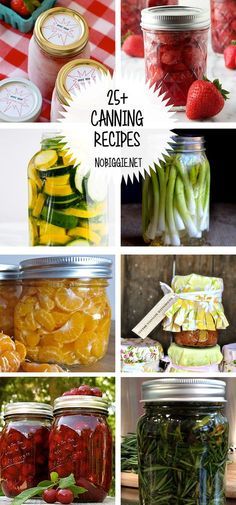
(32, 339)
(6, 344)
(46, 302)
(45, 319)
(40, 367)
(50, 354)
(21, 350)
(60, 318)
(71, 330)
(83, 347)
(67, 300)
(30, 323)
(9, 362)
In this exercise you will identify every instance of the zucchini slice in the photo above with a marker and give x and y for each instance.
(32, 192)
(97, 187)
(58, 218)
(79, 242)
(37, 209)
(51, 190)
(55, 171)
(80, 174)
(85, 233)
(45, 159)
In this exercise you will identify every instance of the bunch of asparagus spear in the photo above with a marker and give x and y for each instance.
(175, 200)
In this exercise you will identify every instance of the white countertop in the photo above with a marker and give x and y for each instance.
(215, 69)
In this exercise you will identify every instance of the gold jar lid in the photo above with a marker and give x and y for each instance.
(61, 32)
(76, 73)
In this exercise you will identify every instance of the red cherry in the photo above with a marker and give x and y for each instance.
(84, 390)
(65, 496)
(50, 495)
(96, 392)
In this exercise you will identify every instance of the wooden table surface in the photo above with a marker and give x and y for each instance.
(222, 225)
(107, 364)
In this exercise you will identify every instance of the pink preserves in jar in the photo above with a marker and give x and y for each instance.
(131, 13)
(72, 77)
(175, 45)
(24, 446)
(60, 35)
(81, 443)
(223, 24)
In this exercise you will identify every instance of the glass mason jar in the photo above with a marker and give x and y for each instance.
(10, 291)
(24, 446)
(64, 315)
(175, 198)
(72, 77)
(81, 443)
(223, 24)
(182, 442)
(60, 35)
(66, 206)
(175, 47)
(131, 13)
(196, 338)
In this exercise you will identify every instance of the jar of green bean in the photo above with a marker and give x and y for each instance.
(182, 442)
(176, 195)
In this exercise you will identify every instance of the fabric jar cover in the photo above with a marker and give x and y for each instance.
(194, 360)
(199, 305)
(140, 355)
(229, 358)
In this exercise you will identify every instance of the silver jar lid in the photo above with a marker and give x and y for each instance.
(28, 408)
(188, 143)
(9, 272)
(56, 267)
(183, 390)
(175, 18)
(82, 402)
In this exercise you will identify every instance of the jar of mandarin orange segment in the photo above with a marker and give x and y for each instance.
(64, 315)
(10, 289)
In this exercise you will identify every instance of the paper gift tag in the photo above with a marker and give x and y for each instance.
(155, 316)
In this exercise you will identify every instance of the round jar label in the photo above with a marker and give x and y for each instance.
(62, 29)
(16, 100)
(81, 75)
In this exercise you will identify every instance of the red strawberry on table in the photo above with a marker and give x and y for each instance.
(133, 46)
(24, 7)
(205, 99)
(230, 55)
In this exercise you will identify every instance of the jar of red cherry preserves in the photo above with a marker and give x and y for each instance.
(223, 24)
(175, 46)
(24, 446)
(81, 443)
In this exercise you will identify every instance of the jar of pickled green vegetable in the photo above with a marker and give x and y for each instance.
(176, 196)
(66, 205)
(182, 442)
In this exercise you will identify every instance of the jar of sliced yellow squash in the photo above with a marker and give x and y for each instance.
(10, 290)
(64, 315)
(66, 205)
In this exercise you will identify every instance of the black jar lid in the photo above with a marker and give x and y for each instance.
(183, 390)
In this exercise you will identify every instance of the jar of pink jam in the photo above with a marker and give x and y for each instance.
(73, 76)
(175, 45)
(131, 13)
(223, 24)
(60, 35)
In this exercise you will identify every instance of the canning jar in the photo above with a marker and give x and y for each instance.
(81, 443)
(223, 24)
(197, 313)
(131, 13)
(175, 198)
(72, 77)
(24, 446)
(182, 442)
(175, 47)
(64, 315)
(60, 35)
(20, 101)
(10, 290)
(66, 205)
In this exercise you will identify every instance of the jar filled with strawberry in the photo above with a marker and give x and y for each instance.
(223, 24)
(64, 315)
(24, 446)
(10, 290)
(81, 441)
(131, 13)
(175, 46)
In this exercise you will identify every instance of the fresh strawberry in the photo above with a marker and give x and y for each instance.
(230, 55)
(24, 7)
(5, 2)
(205, 99)
(133, 46)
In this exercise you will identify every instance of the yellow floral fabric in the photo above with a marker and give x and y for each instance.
(203, 312)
